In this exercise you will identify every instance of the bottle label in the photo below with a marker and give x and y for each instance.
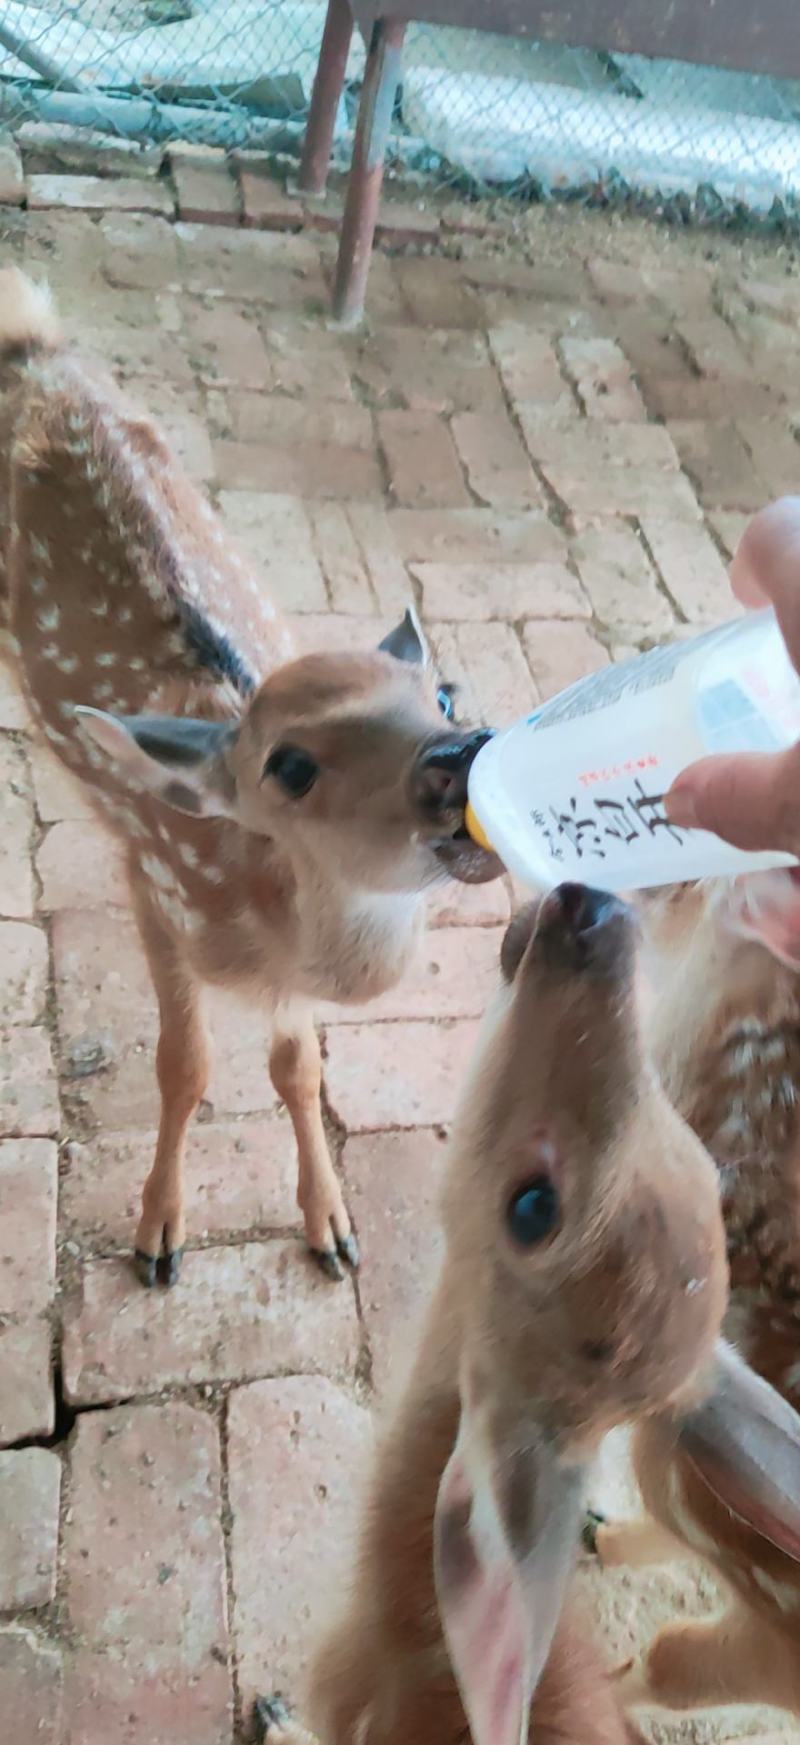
(608, 686)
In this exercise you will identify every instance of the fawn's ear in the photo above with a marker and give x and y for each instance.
(744, 1441)
(505, 1537)
(180, 761)
(407, 641)
(766, 906)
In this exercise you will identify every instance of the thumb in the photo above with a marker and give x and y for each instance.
(750, 800)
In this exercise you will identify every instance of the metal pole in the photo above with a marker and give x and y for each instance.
(381, 79)
(328, 82)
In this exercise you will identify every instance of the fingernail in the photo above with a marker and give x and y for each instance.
(681, 805)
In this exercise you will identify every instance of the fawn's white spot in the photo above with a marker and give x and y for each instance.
(99, 608)
(50, 651)
(158, 871)
(188, 854)
(137, 665)
(213, 875)
(124, 615)
(68, 663)
(49, 618)
(106, 659)
(39, 584)
(40, 549)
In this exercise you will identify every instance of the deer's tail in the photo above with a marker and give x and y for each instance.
(28, 320)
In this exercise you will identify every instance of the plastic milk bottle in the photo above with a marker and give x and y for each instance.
(576, 791)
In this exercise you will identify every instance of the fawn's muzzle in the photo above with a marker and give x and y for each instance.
(575, 928)
(439, 777)
(583, 929)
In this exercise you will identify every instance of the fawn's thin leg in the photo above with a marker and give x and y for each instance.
(634, 1544)
(182, 1066)
(296, 1072)
(735, 1659)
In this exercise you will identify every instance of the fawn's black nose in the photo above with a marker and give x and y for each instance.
(575, 929)
(439, 773)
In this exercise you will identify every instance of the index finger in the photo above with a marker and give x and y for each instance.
(766, 568)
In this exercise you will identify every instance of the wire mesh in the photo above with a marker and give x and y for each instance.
(488, 113)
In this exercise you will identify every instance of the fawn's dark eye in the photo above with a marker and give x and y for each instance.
(445, 700)
(533, 1211)
(293, 768)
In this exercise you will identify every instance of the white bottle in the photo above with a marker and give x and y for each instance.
(576, 790)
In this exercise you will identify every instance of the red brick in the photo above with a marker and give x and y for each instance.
(145, 1580)
(241, 1176)
(279, 271)
(396, 1075)
(81, 866)
(265, 202)
(453, 975)
(715, 349)
(456, 905)
(498, 471)
(28, 1188)
(340, 559)
(529, 366)
(299, 1450)
(423, 466)
(107, 1027)
(16, 823)
(374, 532)
(437, 293)
(274, 530)
(15, 715)
(98, 194)
(28, 1095)
(313, 470)
(225, 346)
(701, 398)
(560, 653)
(205, 190)
(613, 469)
(775, 453)
(394, 1182)
(147, 357)
(12, 182)
(322, 630)
(140, 251)
(618, 281)
(26, 1388)
(497, 670)
(604, 379)
(400, 223)
(716, 458)
(58, 794)
(76, 243)
(23, 972)
(237, 1313)
(620, 580)
(692, 568)
(30, 1486)
(504, 590)
(433, 370)
(729, 527)
(454, 536)
(307, 361)
(30, 1689)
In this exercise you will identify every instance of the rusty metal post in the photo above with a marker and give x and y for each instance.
(381, 80)
(328, 84)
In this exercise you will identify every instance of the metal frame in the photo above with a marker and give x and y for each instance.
(759, 38)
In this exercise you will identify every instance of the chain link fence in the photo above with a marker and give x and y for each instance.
(489, 114)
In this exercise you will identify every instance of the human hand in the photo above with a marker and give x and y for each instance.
(751, 799)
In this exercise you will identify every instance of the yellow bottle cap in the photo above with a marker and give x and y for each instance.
(475, 828)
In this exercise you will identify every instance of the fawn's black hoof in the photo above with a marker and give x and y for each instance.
(146, 1268)
(268, 1712)
(169, 1268)
(348, 1248)
(591, 1522)
(328, 1262)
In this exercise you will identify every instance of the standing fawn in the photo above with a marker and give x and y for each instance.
(723, 958)
(583, 1286)
(281, 818)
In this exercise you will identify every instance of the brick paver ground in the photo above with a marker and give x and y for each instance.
(549, 435)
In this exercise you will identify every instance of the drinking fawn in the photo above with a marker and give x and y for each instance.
(281, 818)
